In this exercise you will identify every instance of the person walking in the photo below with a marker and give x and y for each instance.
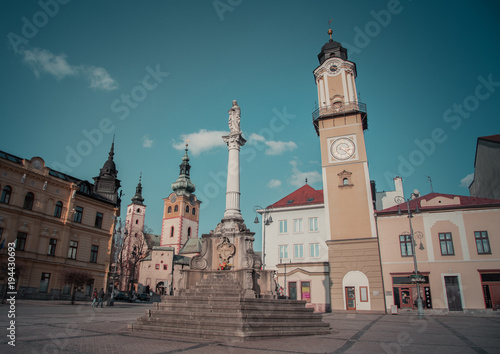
(100, 297)
(94, 298)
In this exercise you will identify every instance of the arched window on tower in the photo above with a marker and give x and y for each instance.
(176, 209)
(169, 210)
(194, 211)
(187, 209)
(189, 232)
(172, 231)
(28, 201)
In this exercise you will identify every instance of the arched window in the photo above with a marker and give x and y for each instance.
(138, 210)
(58, 209)
(172, 231)
(137, 221)
(28, 201)
(6, 195)
(187, 209)
(189, 232)
(345, 181)
(169, 210)
(194, 211)
(176, 209)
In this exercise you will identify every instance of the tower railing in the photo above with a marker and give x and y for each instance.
(340, 109)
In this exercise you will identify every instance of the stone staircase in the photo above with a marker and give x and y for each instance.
(215, 309)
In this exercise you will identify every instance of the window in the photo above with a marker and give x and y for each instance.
(165, 267)
(28, 201)
(313, 224)
(189, 232)
(6, 194)
(169, 210)
(405, 245)
(305, 291)
(58, 209)
(172, 231)
(314, 248)
(52, 247)
(157, 266)
(138, 210)
(93, 254)
(283, 252)
(137, 221)
(446, 243)
(298, 251)
(73, 246)
(187, 209)
(482, 242)
(283, 227)
(176, 208)
(345, 181)
(78, 214)
(21, 241)
(363, 293)
(44, 282)
(98, 220)
(297, 225)
(193, 211)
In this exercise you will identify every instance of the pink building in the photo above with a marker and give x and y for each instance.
(457, 245)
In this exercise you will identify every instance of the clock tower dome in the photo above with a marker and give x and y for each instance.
(340, 122)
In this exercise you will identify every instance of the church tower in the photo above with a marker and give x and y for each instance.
(134, 244)
(181, 210)
(107, 184)
(340, 122)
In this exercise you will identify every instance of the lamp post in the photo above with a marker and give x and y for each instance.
(267, 220)
(400, 200)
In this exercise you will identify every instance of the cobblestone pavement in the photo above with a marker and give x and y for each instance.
(58, 327)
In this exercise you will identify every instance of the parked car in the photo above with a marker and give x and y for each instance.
(143, 297)
(121, 296)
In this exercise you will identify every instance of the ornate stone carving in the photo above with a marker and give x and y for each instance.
(200, 262)
(225, 250)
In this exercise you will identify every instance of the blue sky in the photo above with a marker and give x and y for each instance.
(154, 73)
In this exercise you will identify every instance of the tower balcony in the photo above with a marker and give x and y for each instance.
(340, 109)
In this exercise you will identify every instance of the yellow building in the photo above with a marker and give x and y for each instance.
(58, 224)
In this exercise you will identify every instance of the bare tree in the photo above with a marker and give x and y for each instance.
(76, 279)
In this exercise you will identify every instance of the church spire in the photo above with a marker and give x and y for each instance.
(137, 198)
(107, 183)
(183, 185)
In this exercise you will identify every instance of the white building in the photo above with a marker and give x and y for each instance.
(294, 245)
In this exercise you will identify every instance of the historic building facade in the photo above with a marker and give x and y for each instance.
(457, 247)
(295, 246)
(58, 223)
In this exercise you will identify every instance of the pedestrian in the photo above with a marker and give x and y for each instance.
(100, 297)
(94, 298)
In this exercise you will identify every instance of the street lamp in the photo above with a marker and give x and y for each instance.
(417, 278)
(267, 220)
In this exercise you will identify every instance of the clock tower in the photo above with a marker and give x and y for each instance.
(340, 122)
(181, 210)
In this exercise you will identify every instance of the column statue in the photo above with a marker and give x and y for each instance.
(234, 118)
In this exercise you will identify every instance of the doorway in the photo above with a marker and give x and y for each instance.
(292, 290)
(405, 296)
(350, 298)
(453, 293)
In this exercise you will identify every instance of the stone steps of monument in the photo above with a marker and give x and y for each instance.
(212, 291)
(230, 334)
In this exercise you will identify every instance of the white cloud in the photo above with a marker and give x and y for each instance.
(43, 61)
(273, 147)
(202, 141)
(100, 78)
(467, 180)
(298, 177)
(274, 183)
(146, 142)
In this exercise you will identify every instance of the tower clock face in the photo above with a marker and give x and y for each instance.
(342, 149)
(333, 69)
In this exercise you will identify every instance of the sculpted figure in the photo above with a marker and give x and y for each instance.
(234, 118)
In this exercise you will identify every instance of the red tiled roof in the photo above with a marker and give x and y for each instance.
(305, 195)
(494, 138)
(465, 202)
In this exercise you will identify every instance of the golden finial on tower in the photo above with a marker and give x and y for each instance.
(330, 32)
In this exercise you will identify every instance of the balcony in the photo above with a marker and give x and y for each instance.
(340, 109)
